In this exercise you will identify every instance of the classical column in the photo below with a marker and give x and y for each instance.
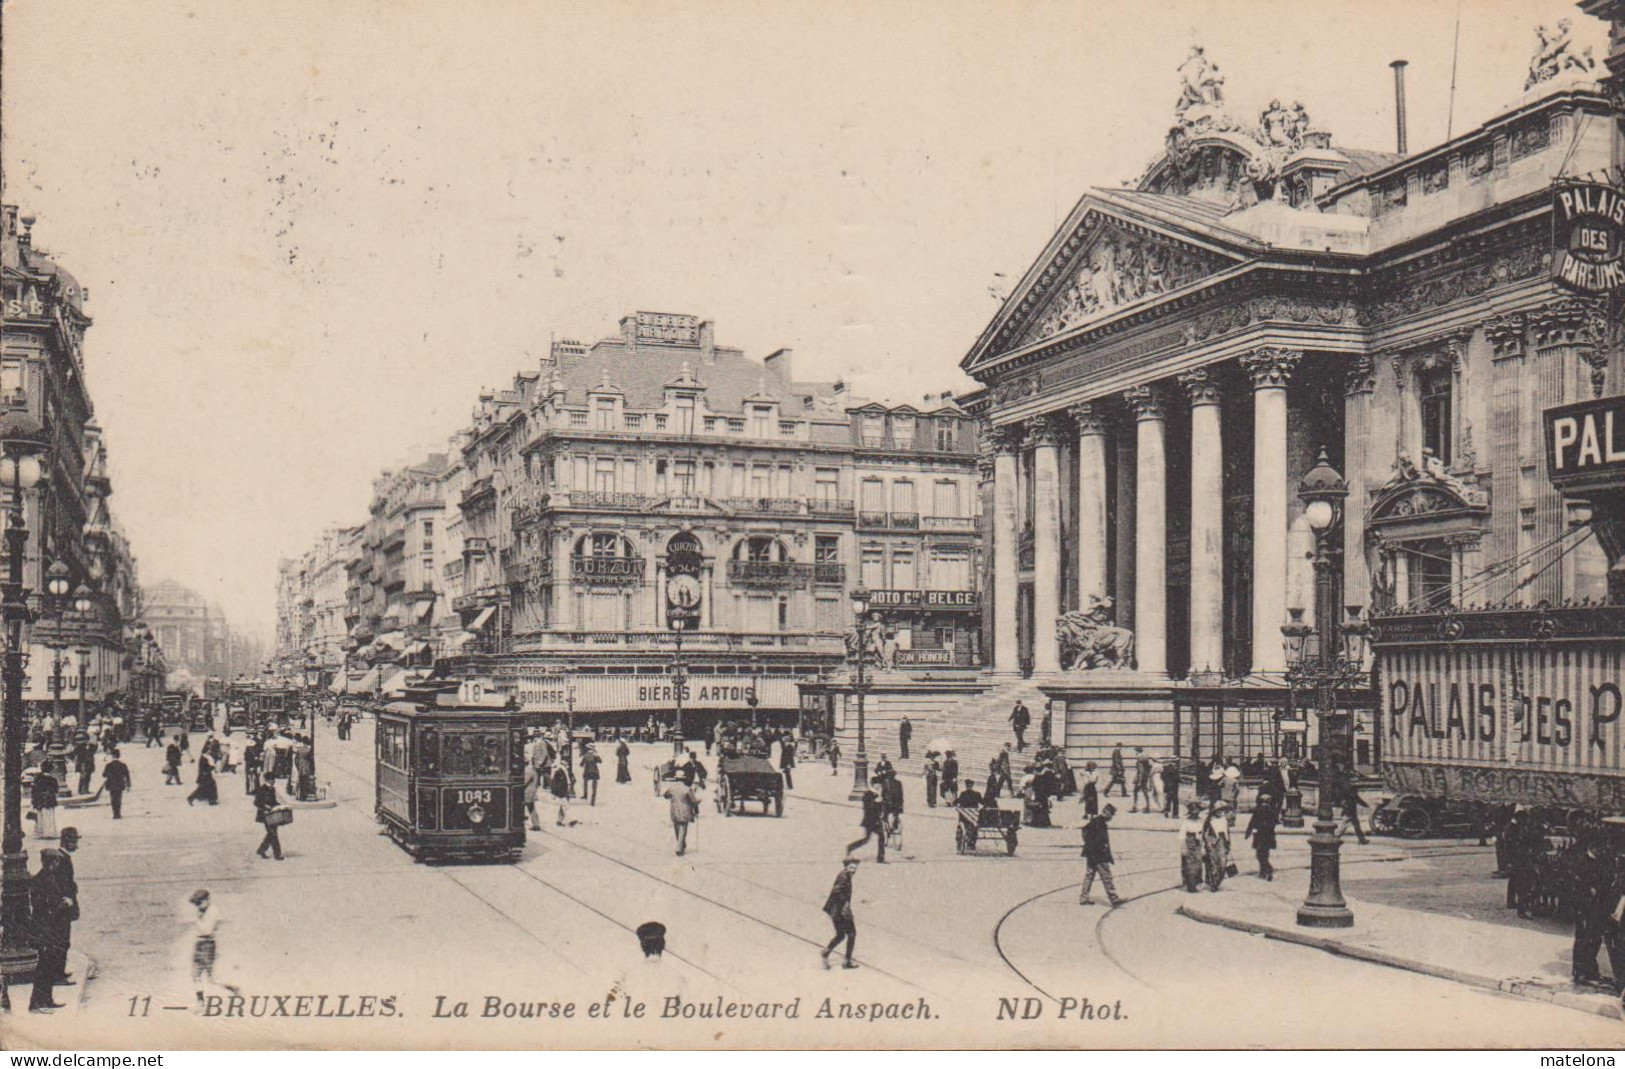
(1092, 491)
(1207, 522)
(1006, 532)
(1150, 531)
(1358, 456)
(1044, 433)
(1270, 369)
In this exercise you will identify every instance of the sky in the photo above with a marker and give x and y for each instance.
(314, 231)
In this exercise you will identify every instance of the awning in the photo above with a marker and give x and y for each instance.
(462, 639)
(340, 684)
(396, 686)
(426, 612)
(395, 640)
(367, 683)
(416, 648)
(483, 618)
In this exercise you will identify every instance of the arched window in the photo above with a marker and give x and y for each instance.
(602, 545)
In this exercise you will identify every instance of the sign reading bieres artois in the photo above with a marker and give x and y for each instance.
(1517, 707)
(1588, 238)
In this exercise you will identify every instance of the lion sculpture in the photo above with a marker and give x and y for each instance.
(1089, 640)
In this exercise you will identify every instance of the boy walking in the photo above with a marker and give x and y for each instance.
(1097, 854)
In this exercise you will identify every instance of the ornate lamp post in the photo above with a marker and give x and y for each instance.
(313, 677)
(1318, 662)
(754, 699)
(679, 680)
(57, 583)
(860, 760)
(22, 441)
(83, 602)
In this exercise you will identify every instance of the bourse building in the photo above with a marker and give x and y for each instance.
(1182, 350)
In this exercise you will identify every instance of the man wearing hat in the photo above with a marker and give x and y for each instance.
(116, 778)
(1097, 853)
(205, 926)
(652, 938)
(839, 908)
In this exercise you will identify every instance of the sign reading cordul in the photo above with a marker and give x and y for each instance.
(1588, 238)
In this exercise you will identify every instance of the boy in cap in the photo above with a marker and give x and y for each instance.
(1097, 853)
(839, 908)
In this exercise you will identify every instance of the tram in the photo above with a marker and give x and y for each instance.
(451, 772)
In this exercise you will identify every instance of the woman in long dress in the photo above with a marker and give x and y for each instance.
(623, 773)
(1192, 851)
(1215, 846)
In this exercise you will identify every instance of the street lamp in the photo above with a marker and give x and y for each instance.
(57, 582)
(754, 698)
(860, 653)
(83, 602)
(678, 679)
(22, 441)
(313, 676)
(1318, 661)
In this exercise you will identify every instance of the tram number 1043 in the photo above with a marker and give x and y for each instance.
(469, 797)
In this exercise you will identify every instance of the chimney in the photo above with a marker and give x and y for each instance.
(1399, 66)
(778, 362)
(708, 343)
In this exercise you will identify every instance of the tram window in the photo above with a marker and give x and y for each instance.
(470, 753)
(392, 745)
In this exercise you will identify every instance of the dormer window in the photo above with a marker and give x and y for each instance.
(761, 421)
(603, 413)
(903, 430)
(874, 430)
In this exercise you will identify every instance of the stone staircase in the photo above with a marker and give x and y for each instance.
(976, 724)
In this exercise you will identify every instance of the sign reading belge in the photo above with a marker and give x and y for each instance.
(962, 600)
(1588, 238)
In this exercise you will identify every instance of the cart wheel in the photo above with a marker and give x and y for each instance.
(778, 805)
(1010, 842)
(1413, 822)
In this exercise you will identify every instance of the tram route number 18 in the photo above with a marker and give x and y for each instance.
(467, 797)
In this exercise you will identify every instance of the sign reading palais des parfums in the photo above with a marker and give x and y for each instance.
(1585, 445)
(1588, 237)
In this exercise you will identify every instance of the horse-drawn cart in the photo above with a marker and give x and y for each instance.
(975, 825)
(747, 777)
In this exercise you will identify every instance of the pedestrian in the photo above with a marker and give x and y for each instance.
(891, 802)
(1230, 791)
(1046, 728)
(1519, 835)
(787, 760)
(558, 784)
(172, 765)
(1001, 761)
(116, 778)
(1261, 830)
(1091, 789)
(1614, 924)
(84, 763)
(205, 935)
(1097, 855)
(933, 775)
(1352, 804)
(42, 796)
(834, 756)
(50, 904)
(253, 759)
(1019, 719)
(883, 767)
(1170, 788)
(905, 732)
(205, 791)
(623, 771)
(533, 782)
(685, 810)
(1592, 876)
(589, 775)
(950, 775)
(838, 907)
(69, 886)
(265, 805)
(871, 823)
(1192, 851)
(1216, 861)
(1142, 780)
(1119, 777)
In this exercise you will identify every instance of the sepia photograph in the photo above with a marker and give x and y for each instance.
(857, 525)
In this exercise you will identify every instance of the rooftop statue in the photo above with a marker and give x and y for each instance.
(1201, 87)
(1555, 54)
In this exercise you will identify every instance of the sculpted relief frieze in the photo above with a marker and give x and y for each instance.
(1117, 268)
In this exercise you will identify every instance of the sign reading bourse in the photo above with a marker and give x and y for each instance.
(1523, 708)
(1588, 238)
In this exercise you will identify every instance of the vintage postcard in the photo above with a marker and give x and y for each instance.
(812, 525)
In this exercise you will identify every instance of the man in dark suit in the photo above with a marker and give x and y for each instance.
(172, 764)
(265, 800)
(50, 904)
(116, 778)
(1097, 854)
(905, 732)
(84, 763)
(70, 889)
(838, 906)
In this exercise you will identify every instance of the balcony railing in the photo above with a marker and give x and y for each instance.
(614, 571)
(608, 499)
(872, 519)
(896, 521)
(827, 573)
(665, 641)
(516, 573)
(966, 524)
(905, 521)
(829, 507)
(765, 573)
(772, 506)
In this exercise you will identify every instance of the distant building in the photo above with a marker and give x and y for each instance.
(195, 636)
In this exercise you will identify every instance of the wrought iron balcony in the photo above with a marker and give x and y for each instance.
(905, 521)
(871, 519)
(965, 524)
(829, 506)
(772, 506)
(608, 499)
(774, 574)
(829, 573)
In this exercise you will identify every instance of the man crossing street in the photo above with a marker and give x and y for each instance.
(1097, 855)
(116, 778)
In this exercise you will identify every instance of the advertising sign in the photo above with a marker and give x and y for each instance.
(1588, 238)
(1585, 444)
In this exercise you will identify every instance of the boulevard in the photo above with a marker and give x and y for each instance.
(349, 926)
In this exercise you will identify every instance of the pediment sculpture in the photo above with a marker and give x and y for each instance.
(1414, 491)
(1117, 269)
(1089, 640)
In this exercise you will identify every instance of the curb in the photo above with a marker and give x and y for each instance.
(1527, 989)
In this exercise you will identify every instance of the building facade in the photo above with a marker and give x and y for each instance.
(196, 639)
(1181, 352)
(68, 515)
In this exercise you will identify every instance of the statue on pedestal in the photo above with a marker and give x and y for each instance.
(1089, 640)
